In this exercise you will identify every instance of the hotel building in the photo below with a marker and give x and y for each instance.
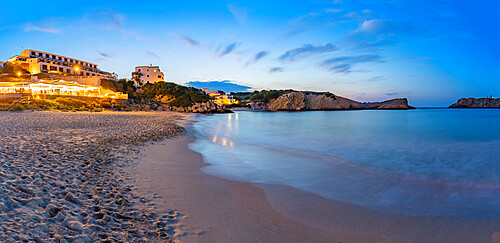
(148, 74)
(42, 62)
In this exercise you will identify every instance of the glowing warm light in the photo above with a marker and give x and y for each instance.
(59, 88)
(19, 74)
(214, 139)
(224, 142)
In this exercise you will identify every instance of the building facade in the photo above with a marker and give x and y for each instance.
(42, 62)
(1, 64)
(220, 98)
(147, 74)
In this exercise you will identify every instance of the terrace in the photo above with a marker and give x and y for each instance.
(58, 88)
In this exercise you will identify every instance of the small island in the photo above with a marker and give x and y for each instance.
(488, 102)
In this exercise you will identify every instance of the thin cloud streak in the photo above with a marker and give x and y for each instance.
(239, 13)
(293, 54)
(151, 54)
(189, 41)
(41, 28)
(275, 70)
(343, 64)
(227, 49)
(259, 55)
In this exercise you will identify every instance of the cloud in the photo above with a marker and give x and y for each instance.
(341, 68)
(224, 85)
(375, 79)
(276, 70)
(392, 93)
(189, 41)
(328, 17)
(41, 28)
(333, 10)
(104, 56)
(152, 54)
(380, 32)
(239, 13)
(259, 55)
(107, 19)
(227, 49)
(354, 59)
(306, 50)
(343, 64)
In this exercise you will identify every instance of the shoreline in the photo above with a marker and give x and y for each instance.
(216, 209)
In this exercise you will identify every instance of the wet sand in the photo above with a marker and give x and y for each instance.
(218, 210)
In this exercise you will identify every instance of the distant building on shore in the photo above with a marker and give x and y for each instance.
(1, 64)
(220, 97)
(37, 62)
(147, 74)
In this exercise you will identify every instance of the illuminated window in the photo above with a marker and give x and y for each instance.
(154, 70)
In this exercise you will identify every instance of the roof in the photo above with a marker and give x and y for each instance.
(147, 67)
(60, 55)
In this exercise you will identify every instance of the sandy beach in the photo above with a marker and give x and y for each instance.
(61, 177)
(130, 177)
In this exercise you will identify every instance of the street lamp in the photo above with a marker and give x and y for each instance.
(76, 70)
(19, 74)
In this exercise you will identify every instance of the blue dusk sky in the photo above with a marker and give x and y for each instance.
(430, 51)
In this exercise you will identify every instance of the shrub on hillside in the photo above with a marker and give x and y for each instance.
(17, 107)
(183, 96)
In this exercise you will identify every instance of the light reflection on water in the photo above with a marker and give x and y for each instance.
(422, 162)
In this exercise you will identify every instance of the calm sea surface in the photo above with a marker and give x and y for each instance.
(426, 162)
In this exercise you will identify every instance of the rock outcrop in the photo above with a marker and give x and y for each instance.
(477, 103)
(300, 101)
(206, 107)
(394, 104)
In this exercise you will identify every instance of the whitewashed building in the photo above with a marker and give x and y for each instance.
(148, 74)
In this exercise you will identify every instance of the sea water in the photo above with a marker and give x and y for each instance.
(424, 162)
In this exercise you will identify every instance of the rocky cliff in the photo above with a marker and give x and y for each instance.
(300, 101)
(477, 103)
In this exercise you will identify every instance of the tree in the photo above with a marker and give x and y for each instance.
(136, 76)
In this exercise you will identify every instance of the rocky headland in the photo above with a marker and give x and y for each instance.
(477, 103)
(301, 101)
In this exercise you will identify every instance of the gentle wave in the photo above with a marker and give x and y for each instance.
(434, 180)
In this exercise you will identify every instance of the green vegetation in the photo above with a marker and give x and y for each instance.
(267, 95)
(166, 92)
(182, 96)
(13, 69)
